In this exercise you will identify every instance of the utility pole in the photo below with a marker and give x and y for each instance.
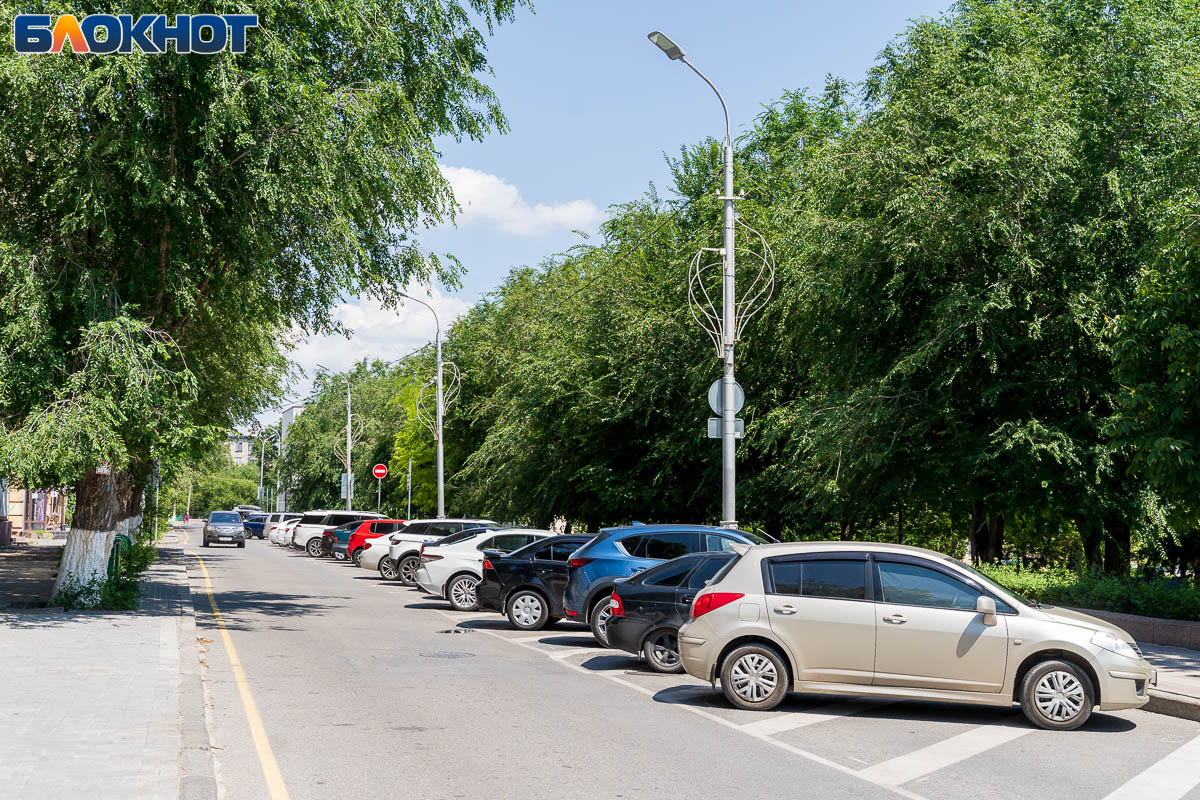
(731, 317)
(409, 516)
(441, 408)
(349, 459)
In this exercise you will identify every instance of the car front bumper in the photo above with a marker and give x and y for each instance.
(1124, 682)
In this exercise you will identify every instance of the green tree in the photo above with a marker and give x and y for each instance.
(203, 205)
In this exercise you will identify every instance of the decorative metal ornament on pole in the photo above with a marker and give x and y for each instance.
(725, 326)
(409, 514)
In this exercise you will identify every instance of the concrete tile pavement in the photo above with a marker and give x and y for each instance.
(103, 704)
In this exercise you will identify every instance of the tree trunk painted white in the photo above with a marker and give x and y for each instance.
(84, 562)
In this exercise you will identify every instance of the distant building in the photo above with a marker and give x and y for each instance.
(35, 509)
(241, 446)
(285, 421)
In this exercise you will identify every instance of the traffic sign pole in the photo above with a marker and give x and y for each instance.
(380, 471)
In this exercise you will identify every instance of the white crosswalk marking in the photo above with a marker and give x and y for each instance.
(1169, 779)
(800, 719)
(903, 769)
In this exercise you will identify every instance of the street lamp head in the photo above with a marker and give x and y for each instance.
(673, 51)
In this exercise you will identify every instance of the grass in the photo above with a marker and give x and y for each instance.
(1166, 598)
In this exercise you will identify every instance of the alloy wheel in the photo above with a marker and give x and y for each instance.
(754, 677)
(1059, 696)
(462, 593)
(387, 569)
(602, 618)
(662, 650)
(314, 548)
(357, 557)
(527, 610)
(409, 568)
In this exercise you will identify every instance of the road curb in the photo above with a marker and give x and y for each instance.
(197, 771)
(1173, 705)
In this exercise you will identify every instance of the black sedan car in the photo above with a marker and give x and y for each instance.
(528, 584)
(649, 608)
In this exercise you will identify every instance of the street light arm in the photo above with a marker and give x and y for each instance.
(437, 322)
(717, 92)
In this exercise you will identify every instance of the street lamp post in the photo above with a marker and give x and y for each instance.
(262, 459)
(349, 443)
(441, 407)
(728, 303)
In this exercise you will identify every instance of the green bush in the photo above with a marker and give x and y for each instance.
(137, 558)
(1166, 598)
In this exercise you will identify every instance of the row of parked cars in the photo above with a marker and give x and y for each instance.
(762, 618)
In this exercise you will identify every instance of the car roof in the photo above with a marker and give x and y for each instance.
(776, 548)
(665, 528)
(457, 519)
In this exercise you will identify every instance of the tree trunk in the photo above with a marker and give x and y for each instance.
(847, 531)
(1092, 535)
(1117, 542)
(900, 525)
(976, 535)
(100, 505)
(995, 538)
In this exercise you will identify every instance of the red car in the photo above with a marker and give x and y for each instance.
(370, 529)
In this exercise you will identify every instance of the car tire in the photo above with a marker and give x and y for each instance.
(598, 619)
(406, 570)
(387, 570)
(661, 651)
(528, 610)
(1057, 695)
(205, 544)
(242, 543)
(356, 558)
(460, 591)
(314, 548)
(754, 677)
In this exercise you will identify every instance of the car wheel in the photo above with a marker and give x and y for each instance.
(409, 566)
(1057, 696)
(599, 620)
(461, 593)
(242, 543)
(387, 570)
(661, 650)
(205, 544)
(527, 611)
(357, 557)
(754, 677)
(314, 548)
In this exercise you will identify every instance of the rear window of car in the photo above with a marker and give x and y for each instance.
(832, 578)
(673, 573)
(224, 517)
(663, 546)
(461, 536)
(505, 542)
(708, 570)
(313, 519)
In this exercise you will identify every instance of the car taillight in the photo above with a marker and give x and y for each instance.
(580, 562)
(430, 557)
(487, 564)
(421, 552)
(367, 546)
(614, 605)
(711, 601)
(571, 613)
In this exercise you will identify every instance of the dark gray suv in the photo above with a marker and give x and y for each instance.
(224, 527)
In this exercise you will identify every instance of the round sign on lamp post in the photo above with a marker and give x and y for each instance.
(380, 471)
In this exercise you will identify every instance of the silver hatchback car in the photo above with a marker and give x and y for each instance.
(865, 619)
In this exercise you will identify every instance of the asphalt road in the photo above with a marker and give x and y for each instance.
(367, 689)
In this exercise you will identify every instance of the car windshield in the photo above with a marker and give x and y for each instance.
(995, 587)
(224, 518)
(461, 536)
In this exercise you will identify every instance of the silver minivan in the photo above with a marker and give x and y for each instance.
(884, 620)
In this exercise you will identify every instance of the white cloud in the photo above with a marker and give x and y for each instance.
(489, 199)
(378, 333)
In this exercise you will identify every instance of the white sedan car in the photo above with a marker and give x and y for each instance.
(453, 569)
(274, 524)
(376, 552)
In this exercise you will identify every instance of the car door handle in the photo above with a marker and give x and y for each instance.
(785, 609)
(687, 599)
(895, 619)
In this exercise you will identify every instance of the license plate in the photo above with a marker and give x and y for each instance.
(226, 538)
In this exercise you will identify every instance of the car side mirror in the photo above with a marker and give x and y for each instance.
(986, 606)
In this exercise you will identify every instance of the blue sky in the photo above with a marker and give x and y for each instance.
(593, 107)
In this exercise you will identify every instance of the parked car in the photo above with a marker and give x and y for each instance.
(369, 529)
(254, 525)
(307, 535)
(885, 620)
(331, 537)
(527, 584)
(287, 529)
(452, 569)
(648, 609)
(275, 524)
(404, 552)
(224, 527)
(623, 552)
(246, 510)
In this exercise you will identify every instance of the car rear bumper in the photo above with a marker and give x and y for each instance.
(625, 633)
(488, 596)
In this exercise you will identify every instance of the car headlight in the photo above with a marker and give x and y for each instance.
(1113, 644)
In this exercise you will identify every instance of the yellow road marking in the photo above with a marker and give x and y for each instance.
(266, 757)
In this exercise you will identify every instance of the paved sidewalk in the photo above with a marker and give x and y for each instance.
(1178, 690)
(91, 704)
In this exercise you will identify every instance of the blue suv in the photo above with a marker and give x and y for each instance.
(618, 553)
